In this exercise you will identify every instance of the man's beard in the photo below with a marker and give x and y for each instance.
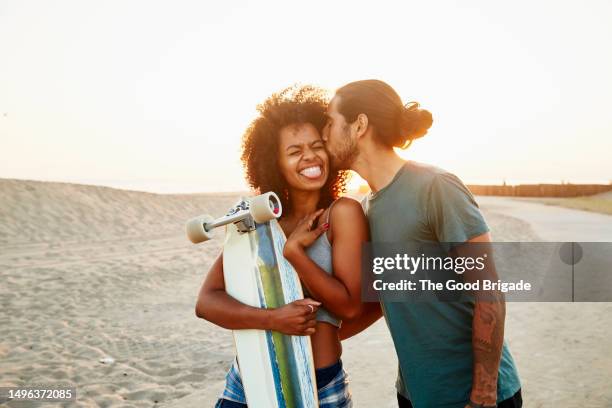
(345, 154)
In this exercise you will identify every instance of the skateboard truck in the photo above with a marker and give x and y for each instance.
(239, 215)
(245, 215)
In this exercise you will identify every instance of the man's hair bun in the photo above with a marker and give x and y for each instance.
(395, 124)
(414, 122)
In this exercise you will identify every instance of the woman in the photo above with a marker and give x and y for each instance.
(283, 152)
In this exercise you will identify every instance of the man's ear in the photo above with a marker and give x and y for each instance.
(362, 124)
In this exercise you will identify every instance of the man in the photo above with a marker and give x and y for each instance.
(451, 354)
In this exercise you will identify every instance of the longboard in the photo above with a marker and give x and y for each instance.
(277, 370)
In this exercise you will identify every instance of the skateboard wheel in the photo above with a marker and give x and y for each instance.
(265, 207)
(195, 229)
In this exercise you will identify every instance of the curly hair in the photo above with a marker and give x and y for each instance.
(260, 143)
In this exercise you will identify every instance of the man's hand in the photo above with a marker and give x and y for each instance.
(472, 404)
(295, 318)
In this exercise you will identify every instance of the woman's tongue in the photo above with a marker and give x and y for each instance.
(311, 172)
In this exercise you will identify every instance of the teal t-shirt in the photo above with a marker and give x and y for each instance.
(433, 340)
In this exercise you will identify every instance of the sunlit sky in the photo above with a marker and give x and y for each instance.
(156, 95)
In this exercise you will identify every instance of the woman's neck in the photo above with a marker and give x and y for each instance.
(378, 167)
(303, 203)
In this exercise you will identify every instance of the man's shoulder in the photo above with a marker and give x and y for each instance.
(426, 171)
(418, 178)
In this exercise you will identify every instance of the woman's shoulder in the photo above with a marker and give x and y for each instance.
(344, 209)
(346, 215)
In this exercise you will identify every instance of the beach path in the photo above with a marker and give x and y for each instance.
(552, 223)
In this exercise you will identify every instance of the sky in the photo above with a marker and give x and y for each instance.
(155, 96)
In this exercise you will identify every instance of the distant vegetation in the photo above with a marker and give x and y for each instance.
(599, 203)
(541, 190)
(587, 197)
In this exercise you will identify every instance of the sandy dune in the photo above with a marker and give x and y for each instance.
(93, 272)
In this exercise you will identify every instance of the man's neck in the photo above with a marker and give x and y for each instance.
(378, 167)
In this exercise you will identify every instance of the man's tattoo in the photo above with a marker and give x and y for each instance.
(486, 321)
(487, 341)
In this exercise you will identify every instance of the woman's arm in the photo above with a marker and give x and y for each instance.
(371, 312)
(340, 293)
(216, 306)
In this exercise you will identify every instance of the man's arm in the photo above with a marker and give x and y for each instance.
(487, 326)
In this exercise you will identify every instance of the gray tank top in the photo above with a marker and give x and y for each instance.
(321, 253)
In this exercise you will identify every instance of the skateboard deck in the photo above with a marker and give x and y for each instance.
(277, 370)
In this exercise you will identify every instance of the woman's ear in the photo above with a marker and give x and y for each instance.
(362, 124)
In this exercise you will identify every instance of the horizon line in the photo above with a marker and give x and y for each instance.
(141, 185)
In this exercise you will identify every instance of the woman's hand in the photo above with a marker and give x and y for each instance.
(340, 292)
(216, 306)
(297, 318)
(303, 235)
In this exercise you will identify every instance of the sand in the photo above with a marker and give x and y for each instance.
(562, 350)
(93, 272)
(90, 273)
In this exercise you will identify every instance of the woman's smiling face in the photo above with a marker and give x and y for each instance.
(303, 160)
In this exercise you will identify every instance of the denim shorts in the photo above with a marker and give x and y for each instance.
(332, 383)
